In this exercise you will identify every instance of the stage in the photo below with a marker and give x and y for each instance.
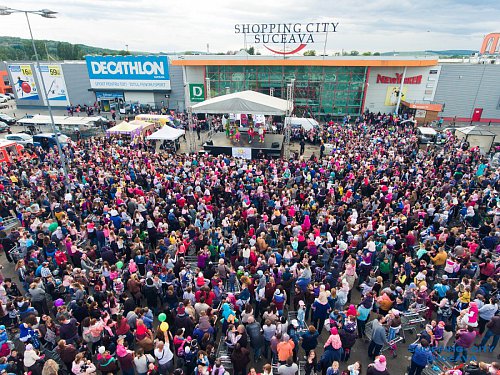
(219, 144)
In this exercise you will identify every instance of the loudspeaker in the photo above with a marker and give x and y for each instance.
(209, 143)
(275, 145)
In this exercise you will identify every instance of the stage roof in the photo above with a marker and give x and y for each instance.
(249, 102)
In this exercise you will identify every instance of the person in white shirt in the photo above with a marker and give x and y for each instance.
(165, 358)
(30, 359)
(142, 361)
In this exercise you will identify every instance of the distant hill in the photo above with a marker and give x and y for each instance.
(445, 53)
(454, 52)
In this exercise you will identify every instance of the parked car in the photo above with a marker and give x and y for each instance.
(10, 94)
(4, 127)
(7, 119)
(48, 140)
(21, 138)
(426, 135)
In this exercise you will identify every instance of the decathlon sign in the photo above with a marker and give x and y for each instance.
(128, 72)
(284, 34)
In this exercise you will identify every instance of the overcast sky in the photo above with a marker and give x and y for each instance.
(169, 26)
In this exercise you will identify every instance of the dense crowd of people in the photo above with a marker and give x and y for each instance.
(152, 263)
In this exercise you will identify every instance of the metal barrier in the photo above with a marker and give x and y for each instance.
(237, 286)
(192, 260)
(438, 366)
(223, 354)
(10, 222)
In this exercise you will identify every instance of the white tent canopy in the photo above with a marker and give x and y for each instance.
(166, 133)
(58, 120)
(249, 102)
(306, 123)
(477, 136)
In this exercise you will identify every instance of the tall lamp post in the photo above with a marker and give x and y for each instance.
(46, 13)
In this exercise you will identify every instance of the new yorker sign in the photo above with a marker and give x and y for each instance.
(416, 80)
(300, 34)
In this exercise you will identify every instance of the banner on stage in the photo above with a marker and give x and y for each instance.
(242, 152)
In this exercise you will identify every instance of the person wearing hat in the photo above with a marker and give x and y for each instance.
(32, 360)
(182, 320)
(106, 363)
(348, 336)
(378, 367)
(279, 300)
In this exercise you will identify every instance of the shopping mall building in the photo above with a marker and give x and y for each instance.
(324, 87)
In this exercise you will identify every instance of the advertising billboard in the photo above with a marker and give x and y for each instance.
(57, 94)
(391, 96)
(145, 73)
(23, 82)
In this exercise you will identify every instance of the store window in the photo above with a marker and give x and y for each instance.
(319, 91)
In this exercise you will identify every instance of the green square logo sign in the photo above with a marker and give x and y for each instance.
(196, 92)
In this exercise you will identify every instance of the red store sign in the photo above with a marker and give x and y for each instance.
(416, 80)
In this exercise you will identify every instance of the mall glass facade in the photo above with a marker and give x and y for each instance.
(319, 90)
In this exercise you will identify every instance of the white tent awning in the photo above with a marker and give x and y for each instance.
(166, 133)
(306, 123)
(249, 102)
(475, 130)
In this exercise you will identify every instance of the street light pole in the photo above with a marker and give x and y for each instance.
(46, 14)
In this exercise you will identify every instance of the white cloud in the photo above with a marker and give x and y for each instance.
(159, 25)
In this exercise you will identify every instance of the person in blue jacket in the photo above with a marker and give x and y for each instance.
(422, 356)
(3, 335)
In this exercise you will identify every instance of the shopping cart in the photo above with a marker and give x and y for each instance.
(292, 315)
(390, 345)
(224, 354)
(192, 260)
(411, 321)
(237, 287)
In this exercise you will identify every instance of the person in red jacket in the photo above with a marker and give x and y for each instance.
(207, 293)
(61, 259)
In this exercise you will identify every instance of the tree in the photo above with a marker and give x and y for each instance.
(251, 50)
(124, 53)
(354, 53)
(367, 53)
(376, 54)
(310, 52)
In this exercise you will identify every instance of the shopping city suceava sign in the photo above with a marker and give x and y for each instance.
(285, 34)
(128, 72)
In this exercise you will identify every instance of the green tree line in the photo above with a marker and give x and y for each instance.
(17, 49)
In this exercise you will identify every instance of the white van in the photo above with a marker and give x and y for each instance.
(426, 135)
